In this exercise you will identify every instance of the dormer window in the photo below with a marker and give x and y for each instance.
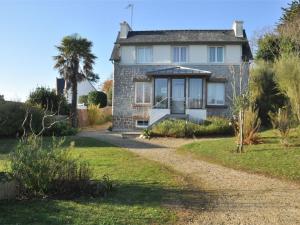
(144, 54)
(216, 54)
(180, 54)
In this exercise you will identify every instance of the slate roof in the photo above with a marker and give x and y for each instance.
(181, 37)
(178, 70)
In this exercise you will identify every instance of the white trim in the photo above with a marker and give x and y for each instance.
(143, 47)
(216, 104)
(216, 54)
(143, 94)
(141, 126)
(186, 57)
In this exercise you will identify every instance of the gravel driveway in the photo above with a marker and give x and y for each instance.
(231, 197)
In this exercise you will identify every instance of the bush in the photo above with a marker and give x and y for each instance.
(43, 96)
(83, 99)
(182, 128)
(12, 115)
(97, 98)
(60, 129)
(98, 116)
(48, 169)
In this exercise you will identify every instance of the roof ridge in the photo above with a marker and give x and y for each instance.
(174, 30)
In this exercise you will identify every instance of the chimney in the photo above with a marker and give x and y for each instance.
(125, 28)
(237, 26)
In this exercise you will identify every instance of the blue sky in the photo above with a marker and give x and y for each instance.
(29, 30)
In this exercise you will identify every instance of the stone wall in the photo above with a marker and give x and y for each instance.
(125, 111)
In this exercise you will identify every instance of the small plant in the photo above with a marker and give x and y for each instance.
(251, 127)
(281, 122)
(147, 133)
(49, 169)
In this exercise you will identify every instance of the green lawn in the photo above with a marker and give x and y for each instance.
(268, 158)
(143, 189)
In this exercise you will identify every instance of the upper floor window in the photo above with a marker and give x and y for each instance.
(216, 54)
(179, 54)
(144, 54)
(143, 92)
(215, 93)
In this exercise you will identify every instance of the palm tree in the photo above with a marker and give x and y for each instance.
(75, 63)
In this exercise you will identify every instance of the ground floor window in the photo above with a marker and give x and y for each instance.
(161, 93)
(195, 93)
(142, 123)
(142, 92)
(215, 93)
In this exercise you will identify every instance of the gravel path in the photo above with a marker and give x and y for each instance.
(227, 196)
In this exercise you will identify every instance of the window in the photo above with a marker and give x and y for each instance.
(215, 93)
(161, 93)
(195, 93)
(216, 54)
(142, 123)
(144, 54)
(179, 54)
(142, 92)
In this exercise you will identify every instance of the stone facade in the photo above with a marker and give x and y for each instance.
(126, 112)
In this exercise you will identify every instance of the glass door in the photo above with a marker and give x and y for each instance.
(178, 96)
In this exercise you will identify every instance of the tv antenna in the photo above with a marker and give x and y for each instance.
(130, 6)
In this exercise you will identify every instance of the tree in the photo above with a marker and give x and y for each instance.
(75, 63)
(287, 70)
(2, 98)
(268, 47)
(265, 94)
(97, 98)
(107, 87)
(46, 98)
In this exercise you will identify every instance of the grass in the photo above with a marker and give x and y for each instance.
(269, 158)
(143, 188)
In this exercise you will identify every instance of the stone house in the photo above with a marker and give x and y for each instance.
(176, 73)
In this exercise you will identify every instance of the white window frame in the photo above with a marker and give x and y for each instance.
(143, 95)
(224, 98)
(187, 54)
(216, 54)
(141, 126)
(137, 55)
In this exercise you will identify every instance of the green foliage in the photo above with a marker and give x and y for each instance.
(268, 47)
(48, 169)
(181, 128)
(83, 99)
(290, 12)
(44, 97)
(109, 97)
(12, 115)
(264, 92)
(2, 100)
(97, 98)
(60, 129)
(287, 70)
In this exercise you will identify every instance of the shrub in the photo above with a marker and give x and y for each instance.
(83, 99)
(98, 116)
(12, 115)
(182, 128)
(281, 122)
(48, 169)
(62, 128)
(97, 98)
(252, 124)
(44, 96)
